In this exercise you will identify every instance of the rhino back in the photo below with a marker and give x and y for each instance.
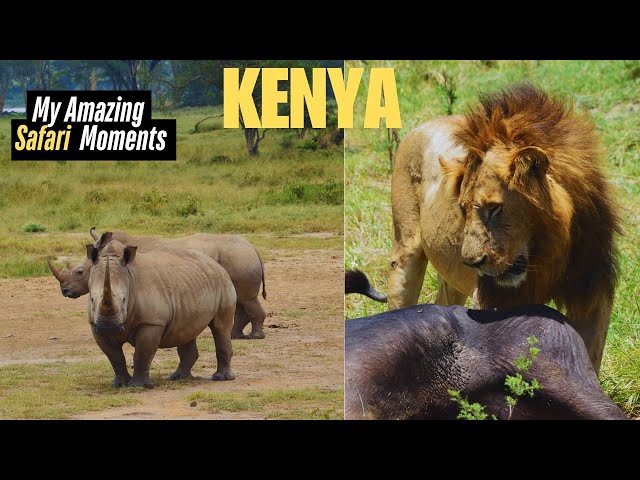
(234, 253)
(181, 290)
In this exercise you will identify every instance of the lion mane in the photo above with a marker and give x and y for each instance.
(575, 258)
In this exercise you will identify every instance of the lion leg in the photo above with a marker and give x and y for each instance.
(408, 265)
(592, 323)
(447, 295)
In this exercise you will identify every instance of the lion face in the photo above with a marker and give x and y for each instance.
(498, 228)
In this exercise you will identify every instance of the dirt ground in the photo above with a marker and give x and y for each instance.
(304, 346)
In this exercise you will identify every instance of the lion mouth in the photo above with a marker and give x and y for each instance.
(518, 267)
(515, 274)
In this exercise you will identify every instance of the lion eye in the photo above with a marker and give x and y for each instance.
(78, 272)
(494, 209)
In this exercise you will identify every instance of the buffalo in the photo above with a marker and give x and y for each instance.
(401, 364)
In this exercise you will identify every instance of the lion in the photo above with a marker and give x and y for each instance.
(511, 206)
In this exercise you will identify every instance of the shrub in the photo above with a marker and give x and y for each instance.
(221, 159)
(150, 203)
(33, 227)
(330, 193)
(287, 141)
(69, 224)
(250, 179)
(190, 206)
(633, 69)
(95, 197)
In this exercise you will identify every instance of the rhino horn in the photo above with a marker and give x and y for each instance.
(106, 306)
(56, 271)
(93, 233)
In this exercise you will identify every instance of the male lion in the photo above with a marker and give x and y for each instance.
(511, 205)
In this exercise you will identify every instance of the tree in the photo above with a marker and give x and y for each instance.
(6, 81)
(130, 74)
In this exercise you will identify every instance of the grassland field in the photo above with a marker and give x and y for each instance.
(288, 201)
(608, 90)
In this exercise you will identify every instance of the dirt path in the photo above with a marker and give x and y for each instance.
(303, 348)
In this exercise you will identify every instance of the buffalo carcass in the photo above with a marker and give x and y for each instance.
(401, 364)
(237, 256)
(161, 299)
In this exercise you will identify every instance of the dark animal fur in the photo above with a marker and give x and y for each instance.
(355, 281)
(400, 364)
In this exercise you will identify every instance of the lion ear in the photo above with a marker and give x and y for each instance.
(528, 163)
(453, 172)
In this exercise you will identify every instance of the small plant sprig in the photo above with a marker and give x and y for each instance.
(469, 411)
(516, 384)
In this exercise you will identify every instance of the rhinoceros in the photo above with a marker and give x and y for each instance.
(400, 364)
(237, 256)
(161, 299)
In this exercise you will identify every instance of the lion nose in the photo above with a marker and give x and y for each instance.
(478, 262)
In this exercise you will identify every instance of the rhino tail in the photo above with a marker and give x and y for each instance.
(264, 285)
(355, 281)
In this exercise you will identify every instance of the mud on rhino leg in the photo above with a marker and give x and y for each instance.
(114, 353)
(147, 343)
(188, 354)
(221, 329)
(240, 320)
(257, 315)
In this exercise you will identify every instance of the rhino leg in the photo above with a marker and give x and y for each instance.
(221, 327)
(188, 354)
(113, 351)
(257, 315)
(241, 319)
(147, 343)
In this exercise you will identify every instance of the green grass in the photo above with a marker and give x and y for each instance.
(213, 187)
(608, 90)
(71, 388)
(310, 403)
(24, 255)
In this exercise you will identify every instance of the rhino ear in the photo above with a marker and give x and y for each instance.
(129, 254)
(92, 253)
(104, 239)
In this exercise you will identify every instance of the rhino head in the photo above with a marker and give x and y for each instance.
(74, 282)
(109, 286)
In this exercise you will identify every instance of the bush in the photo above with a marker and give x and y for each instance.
(250, 179)
(221, 159)
(330, 137)
(633, 69)
(150, 203)
(33, 227)
(330, 193)
(190, 206)
(309, 145)
(95, 197)
(287, 141)
(69, 224)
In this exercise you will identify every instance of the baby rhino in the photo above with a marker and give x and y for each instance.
(161, 299)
